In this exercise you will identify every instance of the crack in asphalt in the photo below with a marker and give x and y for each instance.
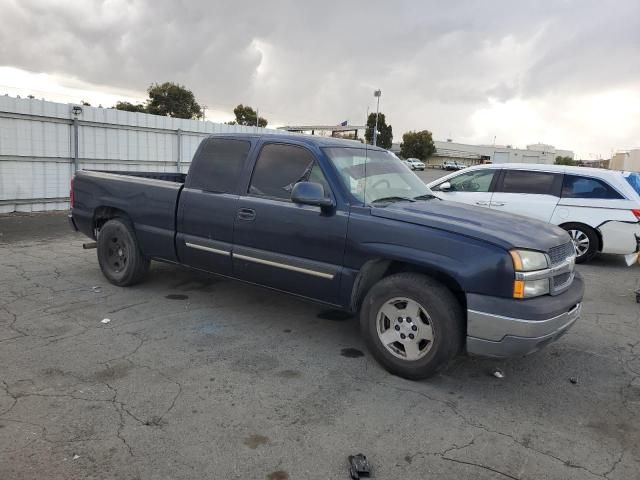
(479, 465)
(123, 410)
(480, 426)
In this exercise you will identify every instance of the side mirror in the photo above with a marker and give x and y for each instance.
(444, 187)
(310, 193)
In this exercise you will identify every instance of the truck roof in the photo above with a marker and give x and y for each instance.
(311, 140)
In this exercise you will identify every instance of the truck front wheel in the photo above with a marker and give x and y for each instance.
(412, 324)
(119, 255)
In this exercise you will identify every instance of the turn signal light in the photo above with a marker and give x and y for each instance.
(518, 289)
(517, 261)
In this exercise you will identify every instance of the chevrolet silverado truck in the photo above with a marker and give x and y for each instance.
(347, 225)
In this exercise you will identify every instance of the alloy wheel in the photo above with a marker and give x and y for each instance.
(404, 328)
(580, 241)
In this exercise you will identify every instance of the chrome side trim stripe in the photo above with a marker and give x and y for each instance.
(207, 249)
(284, 266)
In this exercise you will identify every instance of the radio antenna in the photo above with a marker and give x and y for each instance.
(366, 159)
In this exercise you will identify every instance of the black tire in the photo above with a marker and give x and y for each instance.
(445, 317)
(119, 255)
(578, 232)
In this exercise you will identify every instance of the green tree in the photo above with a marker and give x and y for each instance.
(245, 115)
(565, 161)
(172, 100)
(130, 107)
(417, 145)
(385, 132)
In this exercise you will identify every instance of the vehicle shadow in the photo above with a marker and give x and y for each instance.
(608, 261)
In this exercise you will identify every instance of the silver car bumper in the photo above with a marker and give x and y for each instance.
(496, 336)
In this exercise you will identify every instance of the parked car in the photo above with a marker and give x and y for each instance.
(347, 226)
(449, 165)
(414, 164)
(460, 165)
(599, 208)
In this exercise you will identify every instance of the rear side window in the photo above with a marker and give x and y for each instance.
(475, 181)
(280, 167)
(576, 186)
(219, 165)
(523, 181)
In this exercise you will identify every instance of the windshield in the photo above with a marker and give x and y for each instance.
(633, 179)
(375, 176)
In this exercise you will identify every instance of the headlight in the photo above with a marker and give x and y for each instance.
(528, 260)
(530, 288)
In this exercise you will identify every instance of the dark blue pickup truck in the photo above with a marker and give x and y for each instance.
(347, 225)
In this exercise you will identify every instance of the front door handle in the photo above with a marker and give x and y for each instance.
(497, 204)
(483, 203)
(246, 214)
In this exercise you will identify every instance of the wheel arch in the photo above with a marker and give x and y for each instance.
(104, 213)
(582, 224)
(376, 269)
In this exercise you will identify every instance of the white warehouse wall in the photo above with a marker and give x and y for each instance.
(37, 147)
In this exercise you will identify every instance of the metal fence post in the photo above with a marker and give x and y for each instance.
(75, 144)
(179, 159)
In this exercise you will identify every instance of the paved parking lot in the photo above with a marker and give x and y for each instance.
(431, 174)
(197, 377)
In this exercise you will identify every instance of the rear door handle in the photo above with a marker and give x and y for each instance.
(482, 202)
(497, 204)
(246, 214)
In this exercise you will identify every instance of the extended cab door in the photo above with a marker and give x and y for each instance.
(473, 187)
(208, 205)
(283, 245)
(532, 193)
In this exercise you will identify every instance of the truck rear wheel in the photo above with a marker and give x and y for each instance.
(412, 325)
(119, 255)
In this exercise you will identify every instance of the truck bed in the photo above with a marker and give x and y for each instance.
(150, 200)
(166, 176)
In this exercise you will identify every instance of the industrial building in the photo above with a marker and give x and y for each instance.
(626, 160)
(477, 154)
(343, 130)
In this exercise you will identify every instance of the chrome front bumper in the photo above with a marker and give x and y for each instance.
(492, 335)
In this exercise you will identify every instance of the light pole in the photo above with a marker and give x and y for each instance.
(378, 94)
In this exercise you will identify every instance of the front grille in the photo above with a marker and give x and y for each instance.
(557, 255)
(561, 281)
(560, 253)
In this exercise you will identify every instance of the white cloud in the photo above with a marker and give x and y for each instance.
(597, 123)
(61, 88)
(559, 72)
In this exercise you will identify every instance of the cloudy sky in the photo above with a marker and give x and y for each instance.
(559, 72)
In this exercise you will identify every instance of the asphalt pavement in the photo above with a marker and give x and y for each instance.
(188, 376)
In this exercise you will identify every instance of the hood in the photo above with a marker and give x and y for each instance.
(503, 229)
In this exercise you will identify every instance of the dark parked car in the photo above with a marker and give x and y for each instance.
(349, 226)
(448, 165)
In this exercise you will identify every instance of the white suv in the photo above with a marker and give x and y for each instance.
(415, 164)
(599, 208)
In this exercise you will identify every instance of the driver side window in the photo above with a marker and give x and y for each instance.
(476, 181)
(279, 167)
